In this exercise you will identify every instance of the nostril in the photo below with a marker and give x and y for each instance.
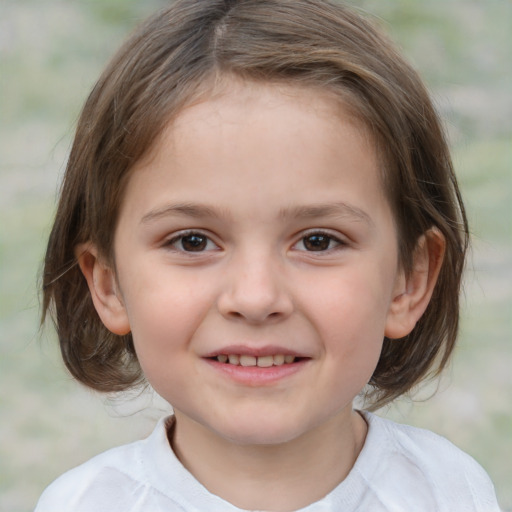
(275, 315)
(254, 306)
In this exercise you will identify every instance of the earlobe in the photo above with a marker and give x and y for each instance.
(103, 287)
(414, 291)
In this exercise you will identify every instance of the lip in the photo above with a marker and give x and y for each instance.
(255, 376)
(245, 350)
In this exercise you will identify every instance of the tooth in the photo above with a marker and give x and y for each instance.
(247, 360)
(278, 359)
(265, 361)
(222, 358)
(234, 359)
(289, 359)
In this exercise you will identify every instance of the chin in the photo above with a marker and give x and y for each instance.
(261, 432)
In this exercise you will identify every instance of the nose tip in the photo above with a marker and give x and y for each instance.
(256, 295)
(256, 314)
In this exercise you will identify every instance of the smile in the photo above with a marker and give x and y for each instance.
(260, 361)
(257, 370)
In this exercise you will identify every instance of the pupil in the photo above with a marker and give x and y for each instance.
(194, 242)
(316, 242)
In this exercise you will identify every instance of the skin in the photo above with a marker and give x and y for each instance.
(257, 173)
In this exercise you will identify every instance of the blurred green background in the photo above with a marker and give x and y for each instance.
(51, 52)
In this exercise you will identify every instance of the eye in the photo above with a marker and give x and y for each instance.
(192, 242)
(318, 242)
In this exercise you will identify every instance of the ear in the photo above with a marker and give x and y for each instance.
(104, 290)
(413, 291)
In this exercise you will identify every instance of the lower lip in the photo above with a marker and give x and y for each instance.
(255, 375)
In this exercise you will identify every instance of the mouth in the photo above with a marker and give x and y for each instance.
(257, 367)
(264, 361)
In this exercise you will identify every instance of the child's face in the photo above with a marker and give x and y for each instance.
(259, 228)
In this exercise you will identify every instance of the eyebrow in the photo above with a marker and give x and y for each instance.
(181, 210)
(337, 210)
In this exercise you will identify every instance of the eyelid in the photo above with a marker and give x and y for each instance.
(324, 231)
(341, 241)
(172, 239)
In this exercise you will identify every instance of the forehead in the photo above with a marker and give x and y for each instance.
(223, 97)
(284, 143)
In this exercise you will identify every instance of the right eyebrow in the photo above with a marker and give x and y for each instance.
(181, 210)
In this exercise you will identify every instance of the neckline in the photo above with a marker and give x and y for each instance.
(162, 465)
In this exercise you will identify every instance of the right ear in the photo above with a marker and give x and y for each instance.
(104, 290)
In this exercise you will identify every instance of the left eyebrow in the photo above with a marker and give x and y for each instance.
(340, 209)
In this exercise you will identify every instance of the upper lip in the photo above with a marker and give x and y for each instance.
(244, 350)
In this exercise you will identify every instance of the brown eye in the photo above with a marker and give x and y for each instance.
(194, 242)
(189, 242)
(317, 242)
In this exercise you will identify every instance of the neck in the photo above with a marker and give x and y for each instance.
(277, 478)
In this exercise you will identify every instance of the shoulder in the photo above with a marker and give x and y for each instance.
(91, 480)
(108, 482)
(427, 448)
(431, 465)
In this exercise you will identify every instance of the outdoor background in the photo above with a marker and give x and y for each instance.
(52, 51)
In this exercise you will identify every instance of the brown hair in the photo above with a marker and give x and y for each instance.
(168, 62)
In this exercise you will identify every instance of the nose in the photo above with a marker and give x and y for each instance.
(255, 290)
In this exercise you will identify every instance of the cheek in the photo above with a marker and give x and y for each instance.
(164, 316)
(162, 330)
(355, 302)
(349, 313)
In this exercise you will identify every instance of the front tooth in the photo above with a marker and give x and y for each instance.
(265, 361)
(289, 359)
(247, 360)
(234, 359)
(222, 358)
(278, 359)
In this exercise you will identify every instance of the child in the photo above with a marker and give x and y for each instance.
(259, 218)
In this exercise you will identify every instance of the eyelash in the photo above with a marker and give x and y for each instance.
(322, 234)
(206, 241)
(183, 235)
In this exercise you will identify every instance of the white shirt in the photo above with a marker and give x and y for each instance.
(400, 469)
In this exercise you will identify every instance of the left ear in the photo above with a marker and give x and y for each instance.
(413, 291)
